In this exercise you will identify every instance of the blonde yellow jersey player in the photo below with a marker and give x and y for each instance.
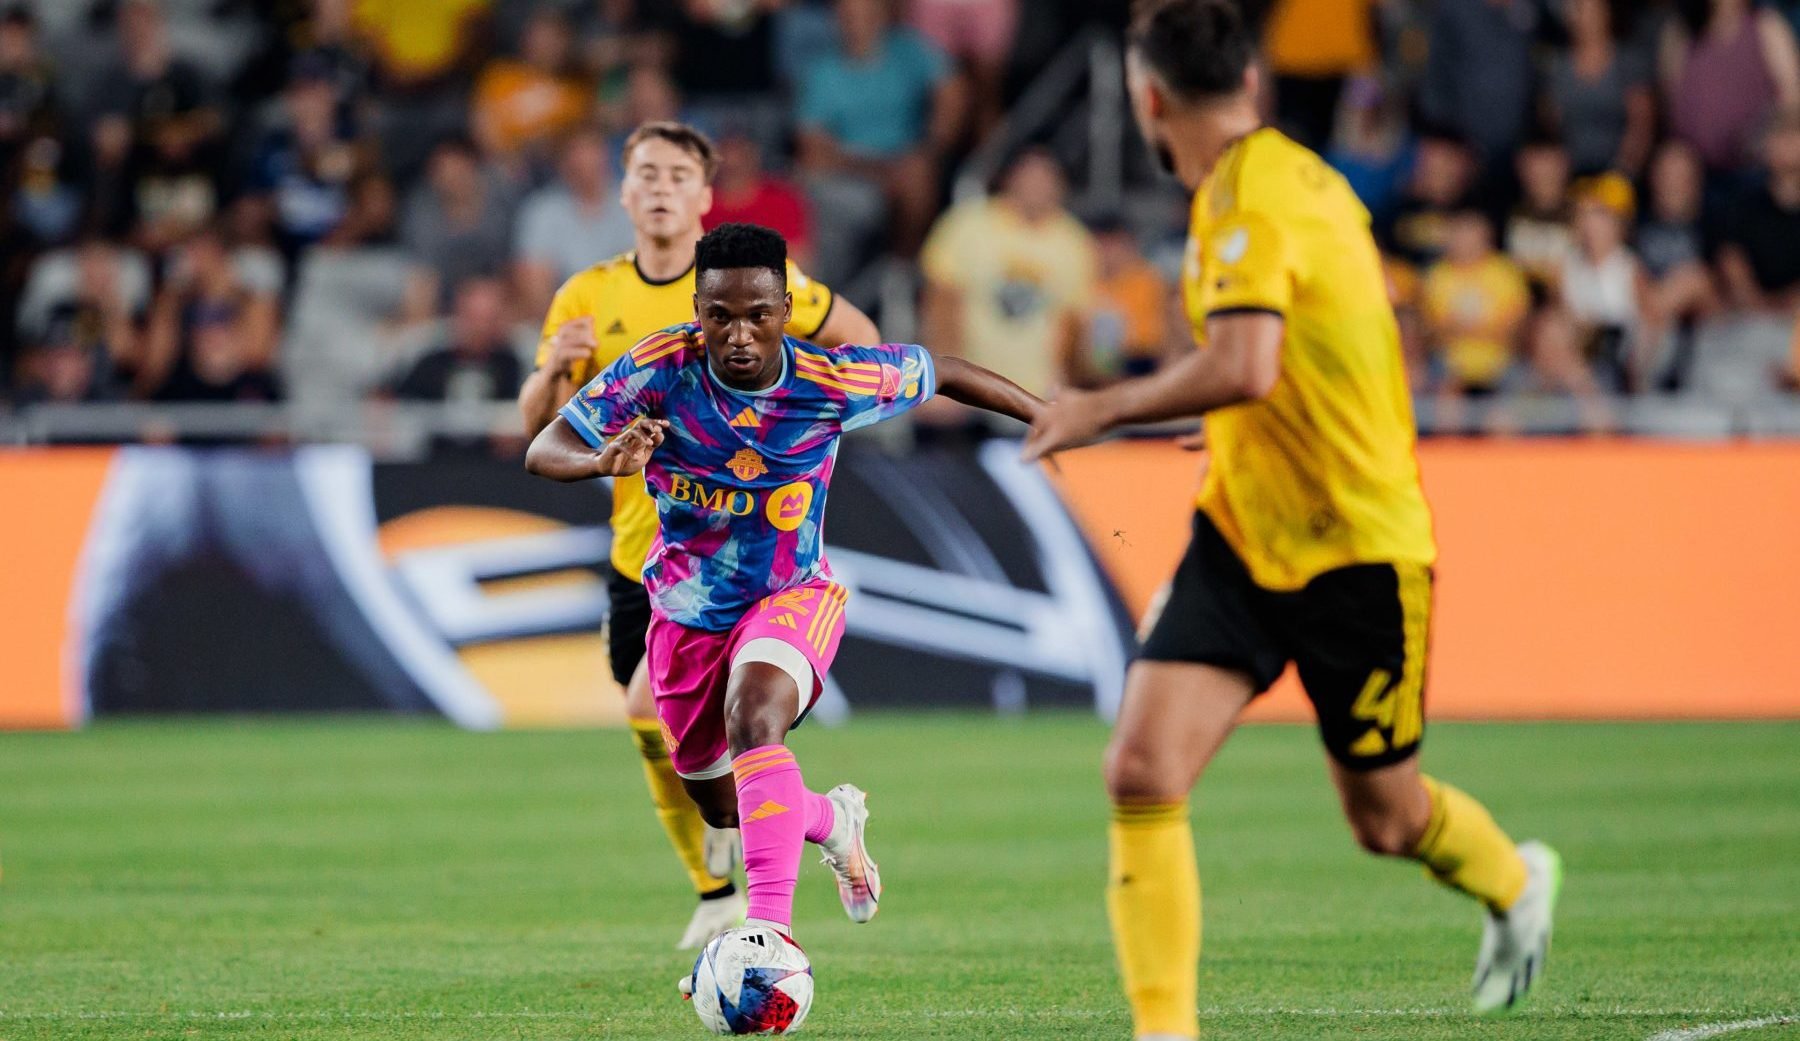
(1312, 541)
(595, 317)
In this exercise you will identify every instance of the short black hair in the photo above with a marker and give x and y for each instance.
(1199, 48)
(740, 246)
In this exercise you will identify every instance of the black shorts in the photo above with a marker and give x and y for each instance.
(1356, 634)
(627, 623)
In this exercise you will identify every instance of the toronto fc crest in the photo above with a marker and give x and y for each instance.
(747, 465)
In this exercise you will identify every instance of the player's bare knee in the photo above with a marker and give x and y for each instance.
(1136, 771)
(759, 706)
(1383, 834)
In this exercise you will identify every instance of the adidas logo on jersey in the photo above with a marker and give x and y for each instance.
(617, 328)
(746, 418)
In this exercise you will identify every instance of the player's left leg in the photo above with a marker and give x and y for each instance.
(779, 655)
(1359, 636)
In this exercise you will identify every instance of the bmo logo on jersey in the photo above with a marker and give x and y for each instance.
(785, 507)
(735, 501)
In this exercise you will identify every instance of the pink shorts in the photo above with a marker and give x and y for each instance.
(690, 667)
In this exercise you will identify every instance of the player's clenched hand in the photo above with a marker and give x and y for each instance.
(629, 451)
(1074, 418)
(571, 346)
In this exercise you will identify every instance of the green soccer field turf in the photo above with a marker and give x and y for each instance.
(382, 880)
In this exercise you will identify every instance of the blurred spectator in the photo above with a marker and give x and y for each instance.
(875, 118)
(69, 366)
(372, 216)
(27, 90)
(521, 105)
(650, 97)
(608, 41)
(249, 230)
(1725, 65)
(1603, 289)
(1598, 93)
(457, 226)
(1010, 279)
(211, 337)
(316, 31)
(1312, 47)
(1475, 304)
(105, 289)
(306, 166)
(165, 105)
(743, 192)
(1442, 176)
(1128, 331)
(1374, 148)
(45, 205)
(569, 225)
(476, 362)
(979, 35)
(1760, 261)
(1478, 79)
(1538, 236)
(723, 61)
(1673, 248)
(426, 52)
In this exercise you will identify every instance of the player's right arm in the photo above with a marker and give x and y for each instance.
(1241, 362)
(565, 352)
(610, 428)
(561, 454)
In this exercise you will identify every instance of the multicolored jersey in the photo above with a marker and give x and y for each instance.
(740, 480)
(627, 306)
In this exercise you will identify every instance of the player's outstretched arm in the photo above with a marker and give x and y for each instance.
(1241, 362)
(559, 453)
(971, 384)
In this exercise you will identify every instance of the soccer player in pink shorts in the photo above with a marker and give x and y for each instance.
(735, 428)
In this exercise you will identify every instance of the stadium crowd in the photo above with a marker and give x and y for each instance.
(211, 200)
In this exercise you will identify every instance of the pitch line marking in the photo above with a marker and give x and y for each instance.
(1715, 1029)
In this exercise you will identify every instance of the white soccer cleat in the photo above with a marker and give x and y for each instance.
(723, 850)
(711, 918)
(858, 879)
(1515, 944)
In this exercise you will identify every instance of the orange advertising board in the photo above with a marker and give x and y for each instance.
(50, 498)
(1590, 579)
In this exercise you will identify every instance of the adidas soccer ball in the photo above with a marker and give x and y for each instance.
(752, 981)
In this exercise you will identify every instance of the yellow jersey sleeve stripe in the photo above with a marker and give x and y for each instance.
(826, 381)
(644, 354)
(846, 373)
(654, 342)
(863, 368)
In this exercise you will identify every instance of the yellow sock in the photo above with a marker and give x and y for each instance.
(679, 816)
(1153, 899)
(1463, 848)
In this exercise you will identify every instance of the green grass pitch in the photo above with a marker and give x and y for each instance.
(374, 879)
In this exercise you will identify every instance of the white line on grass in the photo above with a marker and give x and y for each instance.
(1715, 1029)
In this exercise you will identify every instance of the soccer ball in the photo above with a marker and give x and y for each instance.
(752, 981)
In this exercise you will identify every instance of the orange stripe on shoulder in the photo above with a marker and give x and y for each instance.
(826, 381)
(845, 366)
(844, 373)
(657, 345)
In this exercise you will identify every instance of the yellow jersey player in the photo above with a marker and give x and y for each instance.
(1312, 542)
(595, 317)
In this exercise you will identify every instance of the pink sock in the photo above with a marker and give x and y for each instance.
(776, 815)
